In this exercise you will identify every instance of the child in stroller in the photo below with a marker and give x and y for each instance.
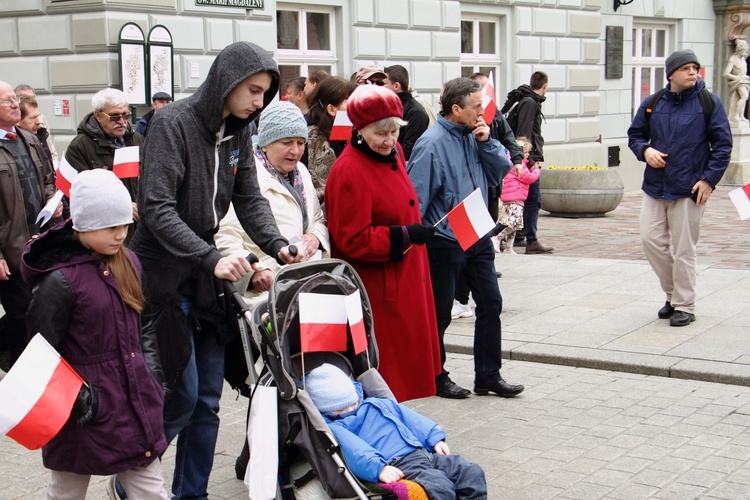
(385, 441)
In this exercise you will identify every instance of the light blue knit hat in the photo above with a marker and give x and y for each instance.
(281, 120)
(330, 389)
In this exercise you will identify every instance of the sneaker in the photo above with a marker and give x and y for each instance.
(115, 491)
(460, 310)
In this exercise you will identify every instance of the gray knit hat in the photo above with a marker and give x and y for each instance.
(680, 58)
(330, 388)
(281, 120)
(98, 200)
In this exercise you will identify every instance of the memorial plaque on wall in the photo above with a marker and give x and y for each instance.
(613, 52)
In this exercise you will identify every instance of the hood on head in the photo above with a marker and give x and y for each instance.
(55, 248)
(232, 66)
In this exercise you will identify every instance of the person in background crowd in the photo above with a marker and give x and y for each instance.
(686, 154)
(31, 121)
(43, 134)
(25, 186)
(326, 100)
(294, 92)
(197, 160)
(524, 108)
(450, 161)
(87, 302)
(375, 225)
(370, 75)
(100, 133)
(414, 114)
(159, 100)
(313, 79)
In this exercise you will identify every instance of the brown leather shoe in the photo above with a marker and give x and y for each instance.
(536, 247)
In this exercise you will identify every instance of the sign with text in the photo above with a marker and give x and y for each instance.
(245, 4)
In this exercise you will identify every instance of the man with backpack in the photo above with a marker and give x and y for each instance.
(523, 110)
(683, 135)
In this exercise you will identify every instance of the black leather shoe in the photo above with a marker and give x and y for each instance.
(450, 390)
(667, 311)
(681, 318)
(499, 387)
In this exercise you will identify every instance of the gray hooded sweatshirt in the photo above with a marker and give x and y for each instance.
(191, 170)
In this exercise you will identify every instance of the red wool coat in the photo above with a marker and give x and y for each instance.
(363, 199)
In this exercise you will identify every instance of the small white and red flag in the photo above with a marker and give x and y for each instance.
(37, 395)
(741, 199)
(49, 209)
(470, 220)
(64, 176)
(353, 304)
(127, 162)
(342, 127)
(322, 322)
(488, 99)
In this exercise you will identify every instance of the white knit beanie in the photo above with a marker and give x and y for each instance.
(281, 120)
(98, 200)
(330, 388)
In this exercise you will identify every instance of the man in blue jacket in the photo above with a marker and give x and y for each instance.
(450, 161)
(686, 151)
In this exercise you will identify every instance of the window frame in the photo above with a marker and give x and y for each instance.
(654, 63)
(304, 57)
(475, 60)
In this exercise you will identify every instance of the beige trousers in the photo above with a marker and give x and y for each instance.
(139, 483)
(669, 234)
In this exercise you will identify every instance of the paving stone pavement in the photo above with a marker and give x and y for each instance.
(659, 426)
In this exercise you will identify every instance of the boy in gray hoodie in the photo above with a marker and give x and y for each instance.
(199, 158)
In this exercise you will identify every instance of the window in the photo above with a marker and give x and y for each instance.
(480, 47)
(305, 38)
(650, 50)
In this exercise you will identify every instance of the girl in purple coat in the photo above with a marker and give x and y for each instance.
(87, 302)
(514, 194)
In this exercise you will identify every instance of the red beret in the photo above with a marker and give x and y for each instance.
(370, 103)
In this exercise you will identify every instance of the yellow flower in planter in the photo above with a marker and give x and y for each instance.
(582, 167)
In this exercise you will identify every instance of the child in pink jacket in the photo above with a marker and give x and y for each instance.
(515, 191)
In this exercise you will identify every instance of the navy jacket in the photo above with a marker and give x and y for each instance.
(678, 127)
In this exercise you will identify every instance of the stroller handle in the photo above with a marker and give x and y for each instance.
(230, 290)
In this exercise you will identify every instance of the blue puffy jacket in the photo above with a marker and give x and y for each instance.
(678, 128)
(447, 164)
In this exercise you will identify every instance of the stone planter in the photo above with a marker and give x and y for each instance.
(580, 193)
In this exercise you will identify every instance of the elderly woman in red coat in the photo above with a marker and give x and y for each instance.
(375, 225)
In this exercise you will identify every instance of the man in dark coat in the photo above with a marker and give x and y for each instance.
(415, 116)
(524, 108)
(158, 101)
(100, 133)
(25, 187)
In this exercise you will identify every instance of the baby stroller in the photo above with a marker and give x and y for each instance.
(302, 432)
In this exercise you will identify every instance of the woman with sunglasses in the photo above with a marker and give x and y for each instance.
(100, 133)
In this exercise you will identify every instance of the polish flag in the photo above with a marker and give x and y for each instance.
(488, 100)
(353, 304)
(342, 127)
(470, 220)
(127, 162)
(37, 395)
(741, 199)
(64, 176)
(322, 322)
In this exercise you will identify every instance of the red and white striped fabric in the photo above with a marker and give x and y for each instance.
(64, 176)
(488, 99)
(356, 321)
(37, 395)
(342, 127)
(741, 199)
(322, 322)
(127, 162)
(470, 220)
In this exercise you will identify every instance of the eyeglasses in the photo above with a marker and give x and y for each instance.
(10, 101)
(117, 118)
(379, 83)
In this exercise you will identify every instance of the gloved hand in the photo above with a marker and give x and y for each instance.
(86, 404)
(419, 234)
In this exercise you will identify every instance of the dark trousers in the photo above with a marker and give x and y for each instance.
(462, 290)
(531, 211)
(444, 477)
(15, 297)
(477, 265)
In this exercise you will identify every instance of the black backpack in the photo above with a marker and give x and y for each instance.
(706, 102)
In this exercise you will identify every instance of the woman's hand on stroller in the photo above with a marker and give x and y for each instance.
(292, 254)
(390, 474)
(262, 280)
(441, 448)
(233, 267)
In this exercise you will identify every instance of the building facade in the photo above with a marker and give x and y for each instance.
(601, 61)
